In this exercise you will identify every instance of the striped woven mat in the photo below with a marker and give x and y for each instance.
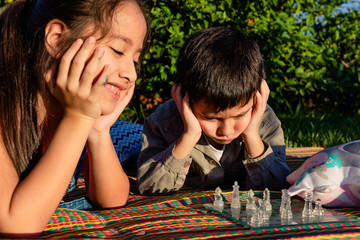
(182, 215)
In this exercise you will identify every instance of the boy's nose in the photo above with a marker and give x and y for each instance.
(226, 129)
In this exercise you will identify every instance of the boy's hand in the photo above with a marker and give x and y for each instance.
(76, 73)
(191, 123)
(192, 129)
(260, 102)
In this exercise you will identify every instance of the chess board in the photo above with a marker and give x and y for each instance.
(244, 217)
(182, 215)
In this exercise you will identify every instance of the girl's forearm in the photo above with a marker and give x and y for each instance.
(35, 199)
(108, 184)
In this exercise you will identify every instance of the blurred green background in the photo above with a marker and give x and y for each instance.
(311, 54)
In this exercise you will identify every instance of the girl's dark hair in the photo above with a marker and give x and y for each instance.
(221, 66)
(24, 59)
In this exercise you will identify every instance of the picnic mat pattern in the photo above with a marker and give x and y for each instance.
(183, 216)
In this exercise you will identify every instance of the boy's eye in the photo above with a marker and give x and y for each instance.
(240, 116)
(209, 118)
(117, 52)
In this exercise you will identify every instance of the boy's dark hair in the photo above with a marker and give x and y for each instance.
(221, 66)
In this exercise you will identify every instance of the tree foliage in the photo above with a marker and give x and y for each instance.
(310, 49)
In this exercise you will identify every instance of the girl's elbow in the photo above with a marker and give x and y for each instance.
(114, 202)
(16, 229)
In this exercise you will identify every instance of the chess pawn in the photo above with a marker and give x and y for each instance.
(250, 204)
(284, 196)
(235, 201)
(256, 220)
(307, 212)
(266, 200)
(218, 203)
(262, 209)
(287, 212)
(318, 210)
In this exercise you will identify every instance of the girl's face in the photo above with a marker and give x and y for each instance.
(224, 126)
(123, 46)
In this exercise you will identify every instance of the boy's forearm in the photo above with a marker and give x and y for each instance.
(185, 145)
(254, 145)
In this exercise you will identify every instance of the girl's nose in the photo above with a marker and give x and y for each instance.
(128, 71)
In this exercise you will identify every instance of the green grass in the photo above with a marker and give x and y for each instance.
(319, 129)
(311, 129)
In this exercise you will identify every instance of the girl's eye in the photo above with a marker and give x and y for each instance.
(117, 52)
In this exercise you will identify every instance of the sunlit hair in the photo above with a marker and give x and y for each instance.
(24, 60)
(220, 66)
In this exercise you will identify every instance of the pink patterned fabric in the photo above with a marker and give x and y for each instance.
(332, 174)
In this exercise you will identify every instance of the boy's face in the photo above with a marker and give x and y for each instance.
(224, 126)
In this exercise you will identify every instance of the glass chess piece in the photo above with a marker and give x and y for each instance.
(318, 211)
(287, 211)
(266, 200)
(250, 204)
(235, 201)
(218, 203)
(256, 219)
(307, 213)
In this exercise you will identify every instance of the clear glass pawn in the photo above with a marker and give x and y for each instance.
(287, 211)
(256, 219)
(263, 213)
(307, 212)
(318, 210)
(266, 199)
(284, 196)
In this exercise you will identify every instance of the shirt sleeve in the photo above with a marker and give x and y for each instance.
(270, 169)
(159, 171)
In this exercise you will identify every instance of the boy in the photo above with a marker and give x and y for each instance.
(217, 128)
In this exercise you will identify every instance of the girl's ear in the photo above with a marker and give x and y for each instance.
(54, 31)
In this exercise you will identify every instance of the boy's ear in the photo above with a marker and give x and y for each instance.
(54, 31)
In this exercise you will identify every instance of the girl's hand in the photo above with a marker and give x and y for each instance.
(104, 122)
(78, 85)
(191, 123)
(260, 102)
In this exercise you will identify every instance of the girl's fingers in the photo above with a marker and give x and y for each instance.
(65, 62)
(99, 85)
(123, 103)
(88, 77)
(78, 64)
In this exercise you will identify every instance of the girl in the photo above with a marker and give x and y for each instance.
(68, 69)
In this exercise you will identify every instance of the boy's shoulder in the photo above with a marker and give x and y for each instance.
(165, 110)
(166, 116)
(269, 118)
